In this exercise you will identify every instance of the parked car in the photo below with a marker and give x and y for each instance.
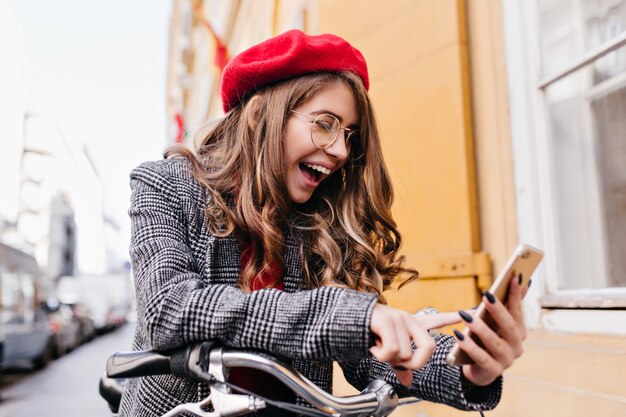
(65, 327)
(87, 326)
(25, 335)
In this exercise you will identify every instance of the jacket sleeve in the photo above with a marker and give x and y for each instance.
(436, 382)
(176, 305)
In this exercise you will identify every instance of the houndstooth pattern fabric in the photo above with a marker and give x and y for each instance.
(186, 288)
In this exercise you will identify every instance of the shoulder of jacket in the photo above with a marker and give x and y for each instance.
(171, 168)
(172, 176)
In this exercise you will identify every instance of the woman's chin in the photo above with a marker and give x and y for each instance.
(300, 195)
(300, 198)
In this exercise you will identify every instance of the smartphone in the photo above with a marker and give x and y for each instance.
(524, 260)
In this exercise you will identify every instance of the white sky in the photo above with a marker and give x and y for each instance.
(97, 68)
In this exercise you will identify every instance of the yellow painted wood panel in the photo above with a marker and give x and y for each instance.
(410, 37)
(426, 142)
(492, 136)
(445, 294)
(354, 18)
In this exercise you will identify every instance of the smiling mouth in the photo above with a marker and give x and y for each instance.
(314, 173)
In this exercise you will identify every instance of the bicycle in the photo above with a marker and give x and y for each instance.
(208, 362)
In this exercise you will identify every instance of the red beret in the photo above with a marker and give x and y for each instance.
(288, 55)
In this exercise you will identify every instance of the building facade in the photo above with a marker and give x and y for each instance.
(60, 213)
(502, 122)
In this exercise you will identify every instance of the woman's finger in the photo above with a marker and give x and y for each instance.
(510, 329)
(514, 299)
(526, 288)
(514, 307)
(485, 368)
(387, 349)
(424, 343)
(517, 311)
(437, 320)
(405, 352)
(497, 347)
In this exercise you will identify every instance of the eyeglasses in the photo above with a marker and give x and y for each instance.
(325, 130)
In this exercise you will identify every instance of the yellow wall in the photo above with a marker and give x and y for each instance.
(417, 57)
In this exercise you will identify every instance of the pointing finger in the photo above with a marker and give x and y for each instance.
(437, 320)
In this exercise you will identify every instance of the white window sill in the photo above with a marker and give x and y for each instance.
(597, 299)
(608, 322)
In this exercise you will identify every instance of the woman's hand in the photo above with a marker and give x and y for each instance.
(395, 329)
(501, 348)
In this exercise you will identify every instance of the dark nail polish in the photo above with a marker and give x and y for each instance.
(399, 368)
(519, 279)
(530, 281)
(465, 316)
(490, 297)
(458, 334)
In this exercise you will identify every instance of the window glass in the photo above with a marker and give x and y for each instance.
(569, 29)
(609, 116)
(586, 143)
(605, 20)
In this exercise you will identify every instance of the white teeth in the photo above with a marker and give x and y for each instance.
(321, 169)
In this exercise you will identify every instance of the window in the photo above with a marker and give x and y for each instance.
(567, 79)
(585, 106)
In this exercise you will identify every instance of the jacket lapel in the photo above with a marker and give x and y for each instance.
(223, 262)
(293, 265)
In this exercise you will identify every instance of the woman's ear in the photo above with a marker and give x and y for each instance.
(252, 111)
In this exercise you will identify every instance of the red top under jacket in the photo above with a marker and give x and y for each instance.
(254, 380)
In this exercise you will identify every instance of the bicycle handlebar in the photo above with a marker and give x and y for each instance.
(137, 364)
(148, 362)
(205, 362)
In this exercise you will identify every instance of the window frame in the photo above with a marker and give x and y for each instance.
(546, 305)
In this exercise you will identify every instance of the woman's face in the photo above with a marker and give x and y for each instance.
(307, 165)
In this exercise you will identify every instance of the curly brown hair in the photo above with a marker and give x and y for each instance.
(347, 234)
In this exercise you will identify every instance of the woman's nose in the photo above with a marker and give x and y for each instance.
(339, 149)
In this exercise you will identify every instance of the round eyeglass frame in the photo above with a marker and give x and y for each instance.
(347, 131)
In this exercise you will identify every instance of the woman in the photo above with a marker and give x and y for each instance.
(278, 235)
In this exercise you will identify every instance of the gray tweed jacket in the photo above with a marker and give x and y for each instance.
(186, 292)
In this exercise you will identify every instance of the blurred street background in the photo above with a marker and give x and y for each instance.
(82, 87)
(66, 387)
(502, 122)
